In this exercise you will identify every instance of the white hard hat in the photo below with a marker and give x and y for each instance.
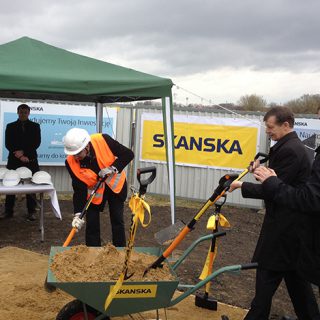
(11, 178)
(24, 172)
(2, 172)
(41, 177)
(75, 141)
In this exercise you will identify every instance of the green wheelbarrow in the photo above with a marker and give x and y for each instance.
(133, 297)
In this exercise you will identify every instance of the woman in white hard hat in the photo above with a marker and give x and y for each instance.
(89, 159)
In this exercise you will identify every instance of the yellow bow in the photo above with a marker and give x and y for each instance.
(222, 220)
(137, 206)
(211, 256)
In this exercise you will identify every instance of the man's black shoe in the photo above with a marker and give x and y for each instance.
(6, 215)
(31, 217)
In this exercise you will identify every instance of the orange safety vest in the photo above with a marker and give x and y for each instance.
(105, 158)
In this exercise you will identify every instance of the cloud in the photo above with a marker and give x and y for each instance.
(179, 38)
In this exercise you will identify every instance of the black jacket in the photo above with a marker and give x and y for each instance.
(123, 158)
(278, 244)
(305, 199)
(27, 139)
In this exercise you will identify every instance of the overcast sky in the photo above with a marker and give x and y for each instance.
(218, 49)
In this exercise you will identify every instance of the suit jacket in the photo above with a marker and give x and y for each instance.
(305, 199)
(278, 244)
(27, 139)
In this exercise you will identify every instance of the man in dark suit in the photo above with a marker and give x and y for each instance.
(278, 245)
(22, 139)
(306, 199)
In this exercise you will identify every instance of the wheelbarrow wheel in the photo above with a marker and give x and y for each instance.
(74, 311)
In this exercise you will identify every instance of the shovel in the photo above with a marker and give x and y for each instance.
(48, 286)
(223, 187)
(203, 300)
(137, 206)
(167, 235)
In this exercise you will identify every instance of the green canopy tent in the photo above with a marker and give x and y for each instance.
(31, 69)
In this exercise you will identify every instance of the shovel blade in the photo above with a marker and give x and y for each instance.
(167, 235)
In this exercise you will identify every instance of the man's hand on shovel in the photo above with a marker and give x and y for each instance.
(77, 222)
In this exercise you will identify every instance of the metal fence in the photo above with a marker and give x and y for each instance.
(191, 182)
(196, 182)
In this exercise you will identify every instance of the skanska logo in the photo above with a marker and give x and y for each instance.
(299, 123)
(205, 144)
(36, 108)
(134, 291)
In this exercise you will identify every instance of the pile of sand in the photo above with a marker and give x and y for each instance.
(22, 293)
(104, 264)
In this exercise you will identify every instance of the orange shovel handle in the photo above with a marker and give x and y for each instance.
(70, 236)
(176, 241)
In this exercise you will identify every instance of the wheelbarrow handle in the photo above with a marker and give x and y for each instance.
(144, 183)
(247, 266)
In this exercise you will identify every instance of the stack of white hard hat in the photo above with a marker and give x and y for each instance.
(11, 178)
(2, 172)
(41, 177)
(24, 172)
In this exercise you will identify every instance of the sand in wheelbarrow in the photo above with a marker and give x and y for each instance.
(22, 293)
(103, 264)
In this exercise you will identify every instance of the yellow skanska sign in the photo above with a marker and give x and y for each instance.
(229, 144)
(136, 291)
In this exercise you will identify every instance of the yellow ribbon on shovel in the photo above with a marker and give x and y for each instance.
(212, 225)
(137, 206)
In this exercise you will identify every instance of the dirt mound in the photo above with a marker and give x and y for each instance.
(236, 247)
(22, 294)
(84, 264)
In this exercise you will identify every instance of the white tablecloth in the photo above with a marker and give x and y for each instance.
(27, 188)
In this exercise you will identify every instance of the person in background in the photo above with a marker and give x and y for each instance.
(90, 158)
(318, 112)
(278, 245)
(306, 199)
(22, 139)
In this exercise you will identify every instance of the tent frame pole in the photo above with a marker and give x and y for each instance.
(99, 116)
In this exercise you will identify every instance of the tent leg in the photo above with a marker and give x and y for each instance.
(168, 126)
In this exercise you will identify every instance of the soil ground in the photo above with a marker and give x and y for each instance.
(234, 248)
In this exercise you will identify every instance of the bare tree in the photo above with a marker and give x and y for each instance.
(252, 102)
(305, 104)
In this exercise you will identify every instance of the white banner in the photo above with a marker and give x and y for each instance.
(55, 120)
(308, 130)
